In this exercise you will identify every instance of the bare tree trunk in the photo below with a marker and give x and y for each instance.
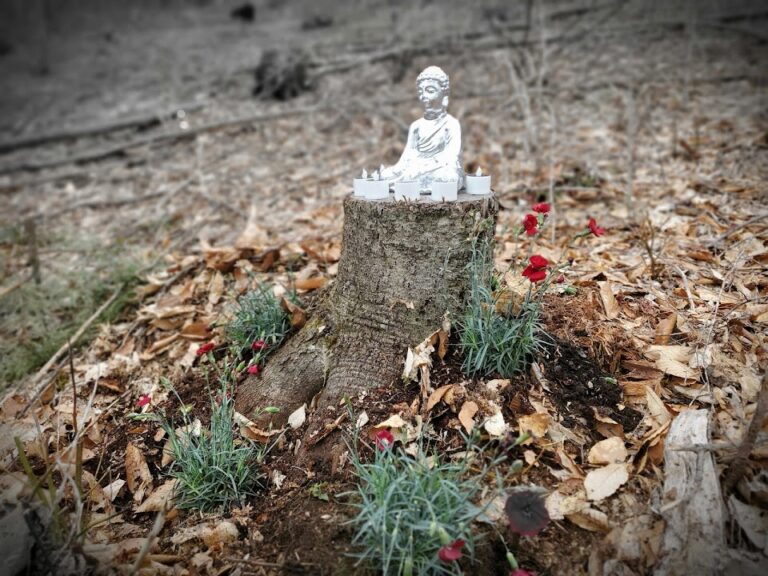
(402, 267)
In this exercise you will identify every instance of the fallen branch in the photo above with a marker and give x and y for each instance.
(117, 149)
(137, 121)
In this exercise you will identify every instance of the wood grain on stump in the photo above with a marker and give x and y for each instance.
(403, 266)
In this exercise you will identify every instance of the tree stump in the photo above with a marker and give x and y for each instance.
(403, 266)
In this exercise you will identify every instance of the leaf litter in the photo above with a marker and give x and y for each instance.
(633, 348)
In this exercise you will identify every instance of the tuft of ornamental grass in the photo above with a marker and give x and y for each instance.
(494, 338)
(410, 506)
(215, 471)
(259, 316)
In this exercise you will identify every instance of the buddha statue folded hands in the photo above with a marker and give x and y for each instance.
(433, 149)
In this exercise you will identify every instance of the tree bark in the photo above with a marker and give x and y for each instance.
(403, 266)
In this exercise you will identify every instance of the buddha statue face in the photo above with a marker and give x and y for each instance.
(432, 85)
(431, 97)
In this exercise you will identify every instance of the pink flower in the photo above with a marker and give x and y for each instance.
(384, 439)
(452, 552)
(521, 572)
(258, 345)
(254, 369)
(205, 348)
(594, 228)
(144, 400)
(531, 224)
(542, 208)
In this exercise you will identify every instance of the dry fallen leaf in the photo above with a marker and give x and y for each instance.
(604, 482)
(249, 429)
(609, 300)
(309, 284)
(394, 421)
(196, 331)
(436, 396)
(221, 533)
(673, 360)
(137, 472)
(656, 407)
(298, 417)
(535, 424)
(112, 490)
(590, 519)
(665, 328)
(216, 288)
(753, 520)
(608, 451)
(466, 415)
(495, 425)
(298, 314)
(159, 499)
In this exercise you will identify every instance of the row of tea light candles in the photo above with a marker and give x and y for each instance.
(375, 188)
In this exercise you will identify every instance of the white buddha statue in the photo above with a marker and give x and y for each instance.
(433, 149)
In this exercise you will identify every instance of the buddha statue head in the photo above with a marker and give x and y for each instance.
(434, 87)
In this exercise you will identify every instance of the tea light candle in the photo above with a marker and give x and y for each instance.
(478, 184)
(377, 188)
(359, 184)
(445, 190)
(407, 190)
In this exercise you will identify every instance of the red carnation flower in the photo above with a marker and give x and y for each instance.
(384, 439)
(536, 271)
(542, 208)
(254, 369)
(560, 279)
(534, 275)
(258, 345)
(144, 400)
(205, 348)
(594, 228)
(531, 224)
(452, 552)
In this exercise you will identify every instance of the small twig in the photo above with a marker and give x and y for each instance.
(15, 286)
(739, 465)
(738, 228)
(265, 563)
(156, 528)
(686, 287)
